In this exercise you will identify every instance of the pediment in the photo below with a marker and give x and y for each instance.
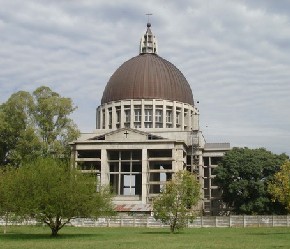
(126, 134)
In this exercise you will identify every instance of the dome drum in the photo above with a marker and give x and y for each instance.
(144, 114)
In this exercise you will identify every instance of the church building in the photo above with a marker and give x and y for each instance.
(147, 128)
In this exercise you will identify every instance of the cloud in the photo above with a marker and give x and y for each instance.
(234, 54)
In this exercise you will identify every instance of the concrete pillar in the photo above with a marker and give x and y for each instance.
(144, 175)
(122, 116)
(178, 160)
(182, 118)
(132, 114)
(114, 116)
(142, 114)
(164, 114)
(105, 170)
(98, 118)
(174, 115)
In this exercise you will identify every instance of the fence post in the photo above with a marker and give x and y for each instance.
(288, 220)
(201, 221)
(216, 221)
(230, 221)
(272, 220)
(244, 221)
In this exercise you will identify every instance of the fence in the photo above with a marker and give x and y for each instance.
(199, 222)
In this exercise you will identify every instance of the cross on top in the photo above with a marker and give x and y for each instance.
(126, 133)
(148, 15)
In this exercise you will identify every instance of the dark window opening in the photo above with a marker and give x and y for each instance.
(159, 153)
(206, 161)
(89, 153)
(215, 160)
(89, 166)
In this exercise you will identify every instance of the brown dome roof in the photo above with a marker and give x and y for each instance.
(147, 76)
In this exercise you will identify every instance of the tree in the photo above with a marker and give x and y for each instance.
(50, 191)
(174, 205)
(33, 125)
(243, 175)
(280, 185)
(7, 206)
(54, 126)
(15, 117)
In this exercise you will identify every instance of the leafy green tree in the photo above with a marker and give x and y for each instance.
(7, 206)
(280, 185)
(15, 117)
(51, 115)
(37, 124)
(175, 204)
(50, 191)
(244, 175)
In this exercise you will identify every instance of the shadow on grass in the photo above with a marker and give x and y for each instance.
(269, 233)
(161, 232)
(21, 236)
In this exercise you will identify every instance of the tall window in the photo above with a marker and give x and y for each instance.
(127, 116)
(185, 118)
(158, 118)
(138, 114)
(104, 119)
(148, 115)
(148, 112)
(178, 121)
(118, 114)
(177, 117)
(126, 172)
(110, 118)
(168, 117)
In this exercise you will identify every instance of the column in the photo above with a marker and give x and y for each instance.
(104, 168)
(144, 175)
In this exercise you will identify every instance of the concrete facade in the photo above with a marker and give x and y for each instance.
(140, 143)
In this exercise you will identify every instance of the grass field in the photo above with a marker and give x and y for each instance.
(32, 237)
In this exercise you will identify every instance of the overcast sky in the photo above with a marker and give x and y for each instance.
(234, 54)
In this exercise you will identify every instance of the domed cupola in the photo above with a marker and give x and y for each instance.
(147, 92)
(148, 76)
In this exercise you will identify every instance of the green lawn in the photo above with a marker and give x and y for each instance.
(30, 237)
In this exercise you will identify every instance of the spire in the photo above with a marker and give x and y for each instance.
(148, 43)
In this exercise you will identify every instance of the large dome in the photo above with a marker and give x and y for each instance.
(148, 76)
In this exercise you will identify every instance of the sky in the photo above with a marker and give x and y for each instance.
(233, 53)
